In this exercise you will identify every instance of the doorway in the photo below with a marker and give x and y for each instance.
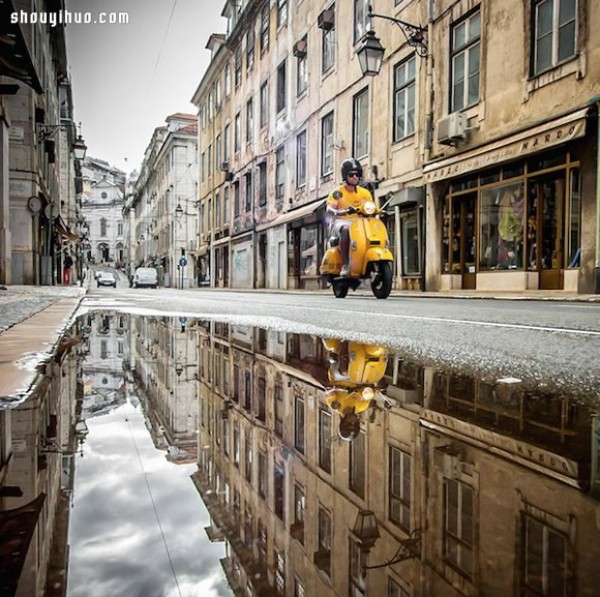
(463, 239)
(546, 230)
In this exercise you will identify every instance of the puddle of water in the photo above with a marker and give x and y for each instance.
(219, 458)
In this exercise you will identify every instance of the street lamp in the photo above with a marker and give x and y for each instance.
(47, 132)
(366, 531)
(370, 54)
(79, 148)
(178, 210)
(178, 369)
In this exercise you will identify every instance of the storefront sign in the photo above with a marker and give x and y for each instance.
(524, 451)
(525, 143)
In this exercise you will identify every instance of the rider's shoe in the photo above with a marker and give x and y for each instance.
(345, 271)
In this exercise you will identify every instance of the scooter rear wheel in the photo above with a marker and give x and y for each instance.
(340, 288)
(383, 285)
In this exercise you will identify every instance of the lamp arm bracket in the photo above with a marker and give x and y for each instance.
(414, 34)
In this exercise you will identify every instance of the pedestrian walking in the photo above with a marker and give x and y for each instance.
(67, 266)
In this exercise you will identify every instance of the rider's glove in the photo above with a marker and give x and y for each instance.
(352, 210)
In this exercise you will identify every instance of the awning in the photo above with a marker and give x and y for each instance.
(15, 59)
(407, 196)
(64, 230)
(294, 214)
(529, 141)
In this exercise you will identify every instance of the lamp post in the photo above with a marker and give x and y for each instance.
(367, 532)
(370, 54)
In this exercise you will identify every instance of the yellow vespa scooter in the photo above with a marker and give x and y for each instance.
(370, 255)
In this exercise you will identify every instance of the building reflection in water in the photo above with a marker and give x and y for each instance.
(475, 489)
(328, 467)
(39, 438)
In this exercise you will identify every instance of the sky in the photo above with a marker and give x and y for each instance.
(126, 80)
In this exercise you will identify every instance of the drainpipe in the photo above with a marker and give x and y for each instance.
(597, 262)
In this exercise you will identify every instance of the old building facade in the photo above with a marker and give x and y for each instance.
(486, 152)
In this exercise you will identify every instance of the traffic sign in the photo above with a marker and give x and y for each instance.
(183, 262)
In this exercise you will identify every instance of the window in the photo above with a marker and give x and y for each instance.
(236, 201)
(264, 104)
(226, 206)
(218, 216)
(327, 144)
(237, 61)
(301, 159)
(574, 230)
(279, 489)
(404, 99)
(299, 424)
(279, 410)
(119, 228)
(262, 474)
(395, 590)
(226, 141)
(297, 530)
(554, 33)
(281, 87)
(299, 588)
(261, 398)
(218, 151)
(458, 526)
(262, 184)
(279, 571)
(399, 487)
(248, 457)
(465, 63)
(227, 79)
(237, 132)
(281, 12)
(358, 561)
(361, 16)
(279, 176)
(103, 226)
(328, 49)
(545, 559)
(323, 554)
(361, 124)
(250, 49)
(218, 93)
(325, 440)
(248, 190)
(302, 73)
(265, 17)
(357, 465)
(249, 121)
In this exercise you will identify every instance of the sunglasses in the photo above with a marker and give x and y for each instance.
(353, 174)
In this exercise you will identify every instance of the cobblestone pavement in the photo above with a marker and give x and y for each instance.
(18, 303)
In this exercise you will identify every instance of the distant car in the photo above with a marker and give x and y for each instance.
(145, 277)
(106, 279)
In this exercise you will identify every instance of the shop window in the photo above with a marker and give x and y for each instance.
(465, 63)
(502, 223)
(411, 244)
(554, 33)
(308, 250)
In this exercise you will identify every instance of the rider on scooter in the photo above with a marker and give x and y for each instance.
(343, 203)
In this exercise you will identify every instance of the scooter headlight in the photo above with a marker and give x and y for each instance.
(368, 393)
(369, 207)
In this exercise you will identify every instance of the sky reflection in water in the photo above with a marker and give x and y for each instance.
(137, 523)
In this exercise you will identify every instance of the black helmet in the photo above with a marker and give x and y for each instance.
(351, 165)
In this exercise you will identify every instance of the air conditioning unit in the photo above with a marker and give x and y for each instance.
(224, 166)
(300, 48)
(325, 20)
(451, 129)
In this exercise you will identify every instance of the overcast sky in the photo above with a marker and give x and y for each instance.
(120, 94)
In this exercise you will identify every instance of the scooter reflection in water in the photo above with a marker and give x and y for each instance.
(355, 370)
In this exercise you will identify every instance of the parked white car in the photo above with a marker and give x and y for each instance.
(145, 277)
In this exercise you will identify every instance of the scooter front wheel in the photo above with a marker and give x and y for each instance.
(382, 284)
(340, 288)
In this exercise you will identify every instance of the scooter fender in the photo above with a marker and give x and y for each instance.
(332, 262)
(377, 254)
